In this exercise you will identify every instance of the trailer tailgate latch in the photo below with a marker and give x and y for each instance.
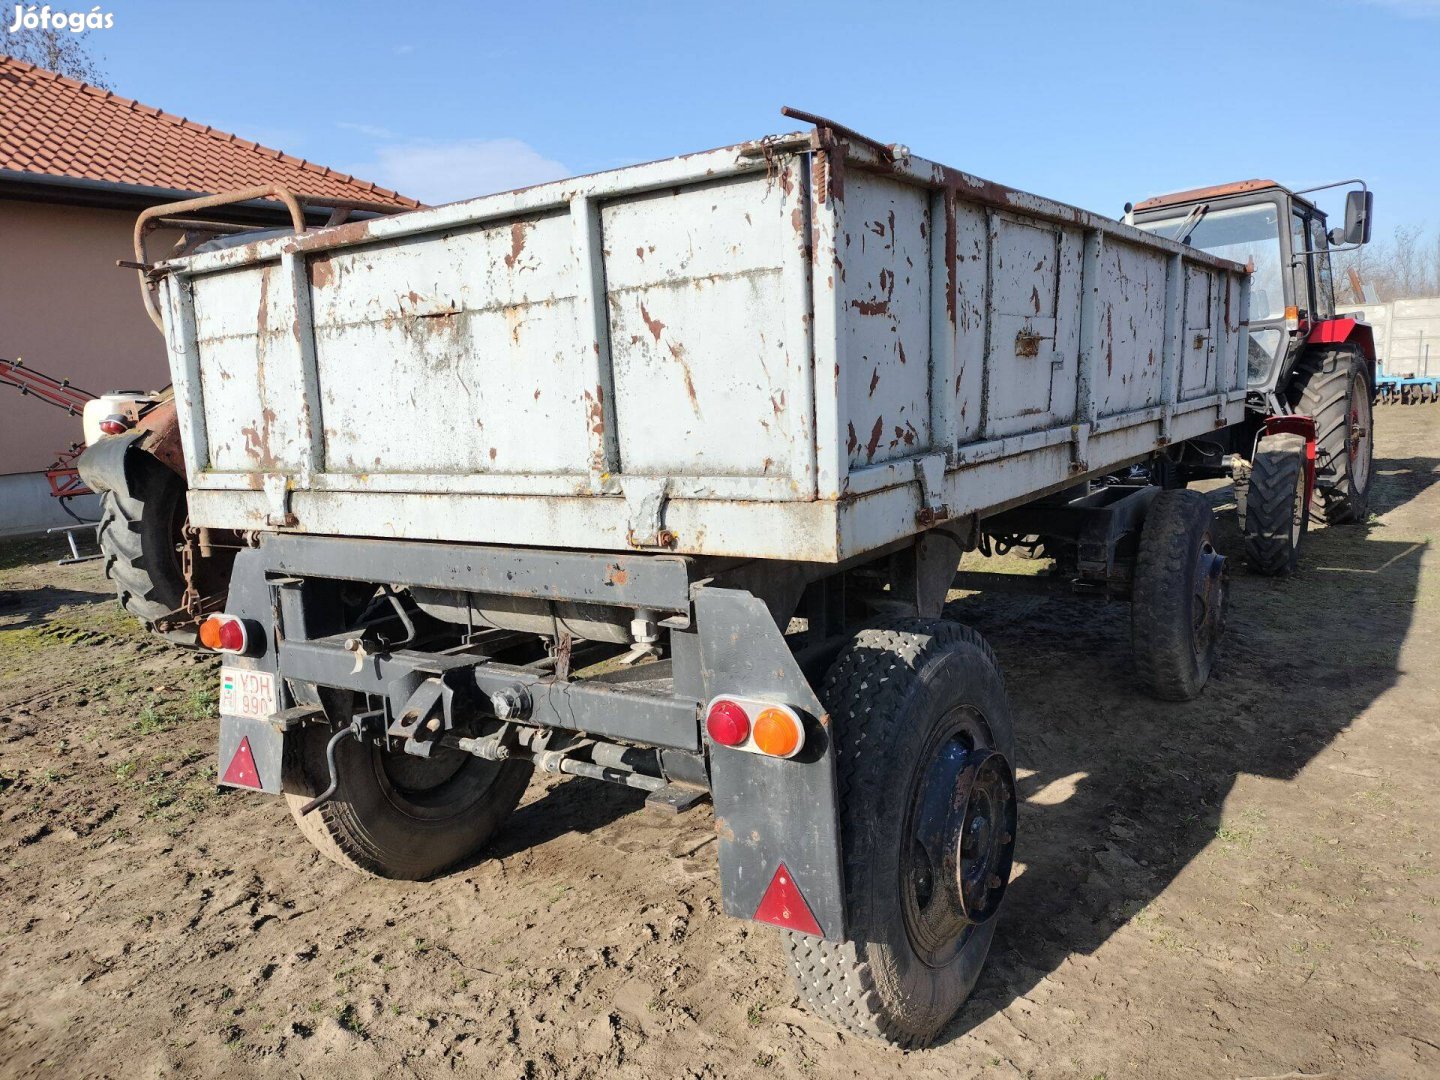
(1079, 448)
(645, 498)
(277, 493)
(930, 474)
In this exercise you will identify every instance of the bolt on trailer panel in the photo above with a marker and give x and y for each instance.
(800, 348)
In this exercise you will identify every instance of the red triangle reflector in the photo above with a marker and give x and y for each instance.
(241, 771)
(783, 905)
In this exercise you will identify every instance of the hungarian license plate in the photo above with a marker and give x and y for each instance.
(248, 694)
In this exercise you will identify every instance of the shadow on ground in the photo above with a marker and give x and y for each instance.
(20, 608)
(1126, 791)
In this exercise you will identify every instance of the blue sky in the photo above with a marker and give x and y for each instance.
(1091, 103)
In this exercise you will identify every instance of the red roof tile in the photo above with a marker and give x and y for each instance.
(56, 126)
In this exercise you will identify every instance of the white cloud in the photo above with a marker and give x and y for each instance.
(438, 172)
(368, 129)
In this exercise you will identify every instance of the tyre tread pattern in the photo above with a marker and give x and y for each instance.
(1320, 388)
(145, 584)
(1270, 547)
(865, 691)
(339, 830)
(1161, 640)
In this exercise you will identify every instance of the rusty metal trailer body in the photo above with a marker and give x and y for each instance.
(661, 477)
(781, 350)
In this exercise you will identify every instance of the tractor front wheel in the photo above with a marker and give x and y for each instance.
(1276, 508)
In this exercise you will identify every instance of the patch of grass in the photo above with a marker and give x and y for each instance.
(1235, 835)
(126, 769)
(348, 976)
(1168, 940)
(1383, 935)
(150, 721)
(349, 1019)
(202, 703)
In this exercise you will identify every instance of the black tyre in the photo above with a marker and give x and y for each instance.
(1333, 386)
(1178, 603)
(397, 816)
(140, 538)
(1276, 514)
(927, 820)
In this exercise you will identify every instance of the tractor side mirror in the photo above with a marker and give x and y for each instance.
(1358, 207)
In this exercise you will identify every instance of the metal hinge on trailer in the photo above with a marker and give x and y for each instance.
(930, 474)
(645, 498)
(1079, 447)
(1222, 409)
(277, 492)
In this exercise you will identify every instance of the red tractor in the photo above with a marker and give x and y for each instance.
(1311, 371)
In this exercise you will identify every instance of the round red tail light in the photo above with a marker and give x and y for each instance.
(232, 636)
(225, 633)
(727, 723)
(114, 425)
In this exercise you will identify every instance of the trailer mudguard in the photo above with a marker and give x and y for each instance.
(777, 819)
(251, 751)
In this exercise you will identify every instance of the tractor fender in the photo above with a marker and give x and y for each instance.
(109, 465)
(1344, 330)
(103, 464)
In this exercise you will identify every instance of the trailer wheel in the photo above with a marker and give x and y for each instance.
(1333, 386)
(927, 820)
(1276, 514)
(1178, 602)
(396, 816)
(140, 537)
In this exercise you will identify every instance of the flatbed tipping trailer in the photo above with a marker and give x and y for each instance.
(660, 476)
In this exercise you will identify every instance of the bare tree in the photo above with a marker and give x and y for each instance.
(61, 51)
(1407, 265)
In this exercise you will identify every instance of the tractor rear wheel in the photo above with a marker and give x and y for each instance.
(927, 824)
(1333, 386)
(140, 538)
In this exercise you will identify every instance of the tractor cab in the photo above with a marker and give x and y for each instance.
(1282, 237)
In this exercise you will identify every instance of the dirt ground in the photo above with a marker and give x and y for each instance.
(1243, 886)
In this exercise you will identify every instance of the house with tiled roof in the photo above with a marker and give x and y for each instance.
(77, 164)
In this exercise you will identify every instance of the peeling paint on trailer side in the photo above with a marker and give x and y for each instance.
(746, 352)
